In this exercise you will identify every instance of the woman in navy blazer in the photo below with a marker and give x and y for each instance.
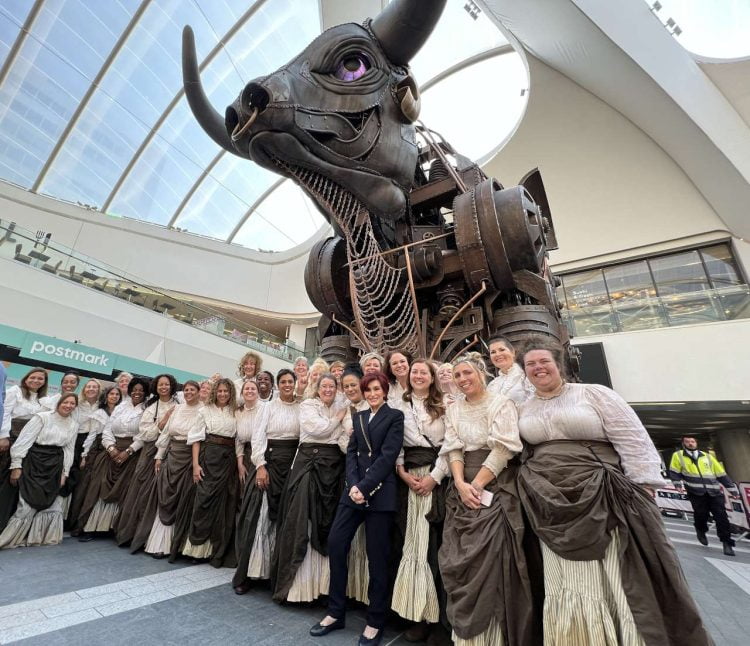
(370, 496)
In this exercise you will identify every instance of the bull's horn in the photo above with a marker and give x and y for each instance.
(404, 26)
(210, 120)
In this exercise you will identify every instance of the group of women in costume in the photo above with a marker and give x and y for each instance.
(485, 511)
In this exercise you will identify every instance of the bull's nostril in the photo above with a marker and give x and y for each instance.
(255, 96)
(231, 119)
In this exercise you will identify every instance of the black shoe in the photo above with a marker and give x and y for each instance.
(375, 641)
(158, 555)
(418, 632)
(85, 538)
(244, 587)
(728, 549)
(319, 630)
(439, 636)
(702, 539)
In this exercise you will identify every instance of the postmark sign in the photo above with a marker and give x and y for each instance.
(64, 353)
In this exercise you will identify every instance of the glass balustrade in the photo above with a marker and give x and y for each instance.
(38, 250)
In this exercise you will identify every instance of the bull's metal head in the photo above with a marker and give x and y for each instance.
(344, 108)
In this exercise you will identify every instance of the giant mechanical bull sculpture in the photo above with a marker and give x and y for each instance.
(428, 254)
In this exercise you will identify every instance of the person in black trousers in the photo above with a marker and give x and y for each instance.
(370, 496)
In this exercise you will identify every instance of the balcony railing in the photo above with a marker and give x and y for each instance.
(685, 308)
(39, 251)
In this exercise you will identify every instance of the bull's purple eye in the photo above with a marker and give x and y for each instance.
(352, 67)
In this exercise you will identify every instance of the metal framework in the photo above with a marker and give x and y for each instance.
(90, 93)
(254, 206)
(20, 39)
(191, 191)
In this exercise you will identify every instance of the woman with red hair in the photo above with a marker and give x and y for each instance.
(370, 497)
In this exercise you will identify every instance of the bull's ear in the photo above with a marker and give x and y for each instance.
(409, 100)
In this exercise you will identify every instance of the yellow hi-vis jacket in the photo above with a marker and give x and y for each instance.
(701, 475)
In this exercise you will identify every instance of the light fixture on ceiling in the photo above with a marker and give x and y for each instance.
(472, 9)
(672, 27)
(655, 7)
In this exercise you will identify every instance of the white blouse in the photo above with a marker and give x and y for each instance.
(148, 427)
(318, 423)
(491, 423)
(213, 420)
(95, 424)
(396, 395)
(282, 423)
(178, 427)
(247, 422)
(16, 405)
(348, 422)
(418, 428)
(123, 422)
(593, 412)
(46, 429)
(513, 384)
(85, 415)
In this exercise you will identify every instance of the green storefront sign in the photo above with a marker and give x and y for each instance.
(73, 355)
(47, 349)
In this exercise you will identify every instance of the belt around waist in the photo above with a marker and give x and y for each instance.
(316, 448)
(219, 439)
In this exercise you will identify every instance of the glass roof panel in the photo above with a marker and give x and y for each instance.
(16, 12)
(467, 35)
(495, 109)
(11, 20)
(711, 29)
(283, 220)
(65, 48)
(94, 155)
(225, 195)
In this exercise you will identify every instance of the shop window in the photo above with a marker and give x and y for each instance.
(684, 288)
(633, 295)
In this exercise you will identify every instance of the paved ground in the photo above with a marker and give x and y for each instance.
(95, 593)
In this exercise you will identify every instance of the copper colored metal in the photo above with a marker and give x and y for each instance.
(465, 306)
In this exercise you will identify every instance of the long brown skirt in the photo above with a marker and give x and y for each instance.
(215, 504)
(109, 481)
(576, 495)
(133, 507)
(279, 457)
(308, 506)
(483, 560)
(9, 492)
(171, 499)
(84, 480)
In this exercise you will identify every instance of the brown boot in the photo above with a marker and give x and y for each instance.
(418, 632)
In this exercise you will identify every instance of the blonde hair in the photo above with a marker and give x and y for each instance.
(245, 358)
(321, 367)
(476, 361)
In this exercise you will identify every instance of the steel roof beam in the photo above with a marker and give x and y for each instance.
(90, 93)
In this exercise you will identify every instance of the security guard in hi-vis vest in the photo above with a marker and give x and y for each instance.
(701, 474)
